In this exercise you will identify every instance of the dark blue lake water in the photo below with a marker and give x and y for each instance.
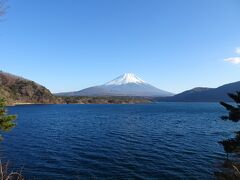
(164, 141)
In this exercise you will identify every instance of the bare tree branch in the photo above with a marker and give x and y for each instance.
(2, 7)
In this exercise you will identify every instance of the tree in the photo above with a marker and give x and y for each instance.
(231, 169)
(6, 121)
(2, 7)
(232, 145)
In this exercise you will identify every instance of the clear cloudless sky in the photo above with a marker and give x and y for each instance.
(68, 45)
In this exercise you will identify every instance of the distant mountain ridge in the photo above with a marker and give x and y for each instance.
(17, 90)
(127, 84)
(205, 94)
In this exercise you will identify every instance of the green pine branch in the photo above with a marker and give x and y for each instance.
(232, 145)
(6, 121)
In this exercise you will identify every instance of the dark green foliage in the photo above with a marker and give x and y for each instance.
(234, 111)
(231, 169)
(232, 145)
(6, 121)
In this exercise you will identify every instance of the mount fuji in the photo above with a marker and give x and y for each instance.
(127, 84)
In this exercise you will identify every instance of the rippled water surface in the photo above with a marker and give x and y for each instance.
(164, 141)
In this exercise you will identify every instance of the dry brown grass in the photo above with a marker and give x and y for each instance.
(6, 174)
(230, 171)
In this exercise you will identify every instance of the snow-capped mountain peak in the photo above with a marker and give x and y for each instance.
(127, 84)
(126, 79)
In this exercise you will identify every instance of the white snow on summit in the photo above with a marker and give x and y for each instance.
(127, 84)
(125, 79)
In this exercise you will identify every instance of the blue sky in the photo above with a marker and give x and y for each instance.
(175, 45)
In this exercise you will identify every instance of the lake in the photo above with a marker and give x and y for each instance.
(149, 141)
